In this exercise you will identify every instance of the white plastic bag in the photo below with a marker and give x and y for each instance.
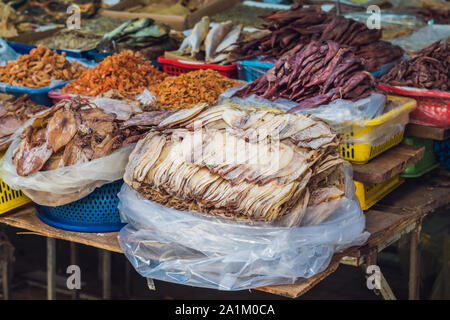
(202, 250)
(6, 53)
(63, 185)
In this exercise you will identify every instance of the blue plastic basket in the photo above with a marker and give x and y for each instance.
(96, 212)
(39, 95)
(442, 152)
(24, 48)
(250, 70)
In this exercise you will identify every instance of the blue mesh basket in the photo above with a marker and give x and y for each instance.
(250, 70)
(96, 212)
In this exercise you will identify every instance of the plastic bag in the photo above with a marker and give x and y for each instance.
(423, 37)
(344, 116)
(6, 53)
(63, 185)
(202, 250)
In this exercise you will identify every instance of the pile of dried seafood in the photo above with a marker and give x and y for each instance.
(13, 114)
(122, 72)
(429, 68)
(71, 132)
(51, 11)
(189, 89)
(140, 35)
(254, 165)
(318, 73)
(212, 45)
(168, 7)
(292, 28)
(39, 68)
(70, 39)
(10, 22)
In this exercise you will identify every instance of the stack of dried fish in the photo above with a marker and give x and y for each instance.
(318, 73)
(140, 35)
(122, 72)
(189, 89)
(10, 22)
(248, 16)
(212, 45)
(169, 7)
(69, 133)
(13, 114)
(101, 25)
(246, 164)
(39, 68)
(70, 39)
(428, 68)
(292, 28)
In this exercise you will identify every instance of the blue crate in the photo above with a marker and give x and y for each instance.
(250, 70)
(96, 212)
(442, 152)
(23, 48)
(39, 95)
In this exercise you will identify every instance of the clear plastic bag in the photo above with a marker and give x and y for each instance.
(63, 185)
(344, 116)
(423, 37)
(202, 250)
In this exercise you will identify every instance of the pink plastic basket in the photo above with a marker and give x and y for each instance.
(433, 106)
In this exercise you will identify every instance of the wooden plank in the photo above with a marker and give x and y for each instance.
(303, 285)
(420, 196)
(25, 218)
(427, 132)
(388, 164)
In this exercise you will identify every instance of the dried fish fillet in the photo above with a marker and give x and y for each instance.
(223, 172)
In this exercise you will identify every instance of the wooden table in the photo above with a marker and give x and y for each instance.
(398, 214)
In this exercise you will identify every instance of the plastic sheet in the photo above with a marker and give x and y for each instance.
(423, 37)
(6, 53)
(201, 250)
(63, 185)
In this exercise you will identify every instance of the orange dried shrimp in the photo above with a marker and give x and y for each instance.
(189, 89)
(39, 68)
(121, 71)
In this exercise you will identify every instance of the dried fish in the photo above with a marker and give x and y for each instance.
(233, 176)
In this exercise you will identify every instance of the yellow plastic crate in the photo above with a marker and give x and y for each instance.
(9, 198)
(370, 193)
(361, 152)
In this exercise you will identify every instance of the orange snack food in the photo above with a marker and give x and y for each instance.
(39, 68)
(192, 88)
(122, 72)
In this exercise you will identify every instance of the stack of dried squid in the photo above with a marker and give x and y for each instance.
(254, 165)
(74, 132)
(428, 68)
(14, 114)
(318, 73)
(289, 29)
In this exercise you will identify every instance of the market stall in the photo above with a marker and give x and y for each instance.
(291, 141)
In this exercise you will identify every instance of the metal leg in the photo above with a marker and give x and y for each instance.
(414, 263)
(74, 261)
(51, 268)
(5, 279)
(127, 283)
(106, 274)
